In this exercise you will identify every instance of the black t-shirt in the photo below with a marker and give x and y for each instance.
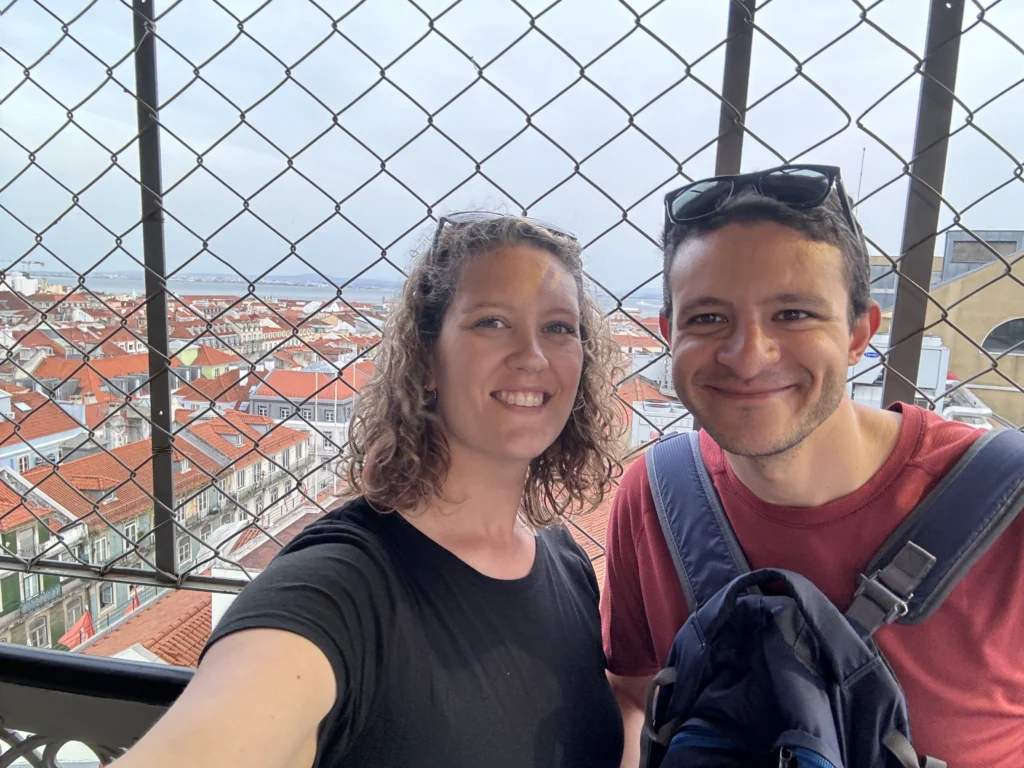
(437, 664)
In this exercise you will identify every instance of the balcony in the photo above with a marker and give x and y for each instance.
(50, 698)
(570, 155)
(44, 598)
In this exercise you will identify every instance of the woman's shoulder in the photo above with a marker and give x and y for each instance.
(355, 523)
(567, 554)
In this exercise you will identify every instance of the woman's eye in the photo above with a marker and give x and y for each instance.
(491, 322)
(564, 328)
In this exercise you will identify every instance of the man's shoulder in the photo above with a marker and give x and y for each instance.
(635, 487)
(942, 441)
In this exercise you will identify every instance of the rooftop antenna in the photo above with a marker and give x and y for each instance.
(860, 179)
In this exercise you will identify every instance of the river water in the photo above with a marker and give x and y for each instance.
(121, 286)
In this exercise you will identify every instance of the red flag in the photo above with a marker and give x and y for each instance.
(79, 632)
(133, 603)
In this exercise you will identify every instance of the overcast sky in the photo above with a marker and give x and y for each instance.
(632, 172)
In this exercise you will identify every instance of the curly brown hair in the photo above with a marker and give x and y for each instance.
(398, 454)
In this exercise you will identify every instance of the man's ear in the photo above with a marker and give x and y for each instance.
(665, 325)
(864, 329)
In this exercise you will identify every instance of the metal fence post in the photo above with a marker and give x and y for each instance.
(927, 170)
(156, 297)
(735, 79)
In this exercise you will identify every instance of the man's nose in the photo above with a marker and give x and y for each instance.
(749, 350)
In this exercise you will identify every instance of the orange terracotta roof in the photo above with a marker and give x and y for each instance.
(14, 513)
(211, 356)
(107, 367)
(300, 386)
(590, 529)
(47, 419)
(260, 557)
(12, 389)
(226, 388)
(91, 385)
(14, 301)
(178, 625)
(36, 339)
(175, 627)
(110, 349)
(636, 389)
(27, 398)
(56, 368)
(94, 414)
(220, 434)
(66, 484)
(644, 341)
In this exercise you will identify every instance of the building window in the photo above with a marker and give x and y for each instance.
(240, 479)
(328, 416)
(1006, 338)
(74, 611)
(100, 550)
(23, 464)
(273, 495)
(204, 501)
(286, 458)
(307, 413)
(39, 633)
(257, 471)
(106, 596)
(286, 411)
(298, 451)
(31, 585)
(25, 542)
(328, 445)
(131, 531)
(204, 534)
(184, 550)
(261, 410)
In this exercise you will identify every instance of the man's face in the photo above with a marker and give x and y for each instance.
(760, 336)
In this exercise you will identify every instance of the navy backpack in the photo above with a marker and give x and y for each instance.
(784, 679)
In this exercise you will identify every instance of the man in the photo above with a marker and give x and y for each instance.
(767, 304)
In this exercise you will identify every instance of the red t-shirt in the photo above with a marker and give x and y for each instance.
(962, 670)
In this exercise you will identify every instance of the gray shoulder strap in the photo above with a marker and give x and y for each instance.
(945, 535)
(702, 543)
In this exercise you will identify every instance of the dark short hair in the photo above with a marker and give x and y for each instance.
(822, 224)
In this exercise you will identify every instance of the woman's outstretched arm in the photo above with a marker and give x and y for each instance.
(256, 701)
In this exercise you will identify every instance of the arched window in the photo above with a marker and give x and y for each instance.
(1006, 338)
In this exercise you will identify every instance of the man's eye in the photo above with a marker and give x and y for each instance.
(794, 314)
(706, 319)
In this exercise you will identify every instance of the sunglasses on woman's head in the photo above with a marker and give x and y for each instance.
(797, 186)
(471, 217)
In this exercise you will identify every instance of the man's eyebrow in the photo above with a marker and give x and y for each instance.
(702, 302)
(806, 299)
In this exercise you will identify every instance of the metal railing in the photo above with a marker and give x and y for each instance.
(543, 113)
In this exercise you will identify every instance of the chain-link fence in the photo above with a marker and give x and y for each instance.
(176, 379)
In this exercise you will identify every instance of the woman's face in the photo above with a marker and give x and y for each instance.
(508, 361)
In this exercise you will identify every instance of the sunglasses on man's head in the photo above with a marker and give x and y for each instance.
(798, 186)
(471, 217)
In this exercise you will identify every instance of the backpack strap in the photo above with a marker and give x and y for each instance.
(945, 535)
(700, 539)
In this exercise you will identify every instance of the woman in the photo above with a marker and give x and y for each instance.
(443, 617)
